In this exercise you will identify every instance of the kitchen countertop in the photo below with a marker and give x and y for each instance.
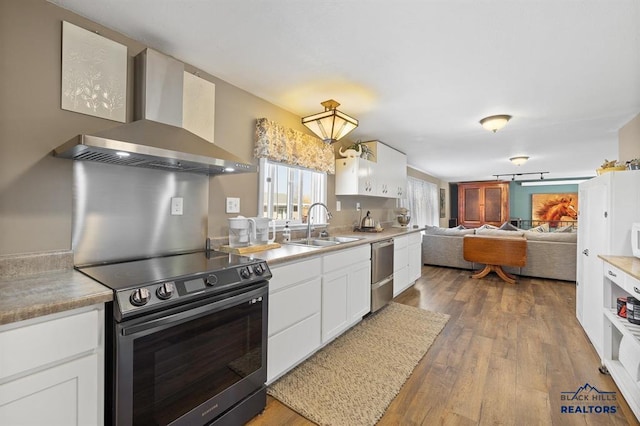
(628, 264)
(290, 252)
(29, 296)
(46, 293)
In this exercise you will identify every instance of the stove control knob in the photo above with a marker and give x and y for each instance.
(211, 280)
(139, 297)
(258, 269)
(165, 291)
(245, 273)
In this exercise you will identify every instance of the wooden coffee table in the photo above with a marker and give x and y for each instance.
(495, 252)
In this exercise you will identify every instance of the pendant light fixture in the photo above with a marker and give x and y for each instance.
(519, 160)
(495, 122)
(331, 124)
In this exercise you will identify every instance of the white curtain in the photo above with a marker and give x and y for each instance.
(422, 200)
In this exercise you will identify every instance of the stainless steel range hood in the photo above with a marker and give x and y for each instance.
(156, 139)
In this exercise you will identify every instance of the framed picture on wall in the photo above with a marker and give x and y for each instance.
(442, 203)
(555, 209)
(94, 74)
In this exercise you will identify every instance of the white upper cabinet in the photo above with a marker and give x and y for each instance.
(385, 175)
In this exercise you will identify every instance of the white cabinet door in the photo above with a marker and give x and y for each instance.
(354, 176)
(67, 394)
(592, 237)
(359, 291)
(288, 348)
(415, 257)
(335, 314)
(397, 164)
(400, 264)
(346, 289)
(52, 369)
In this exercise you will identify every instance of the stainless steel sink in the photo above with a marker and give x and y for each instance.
(323, 241)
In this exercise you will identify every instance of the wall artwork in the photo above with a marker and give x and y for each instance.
(94, 74)
(442, 203)
(557, 209)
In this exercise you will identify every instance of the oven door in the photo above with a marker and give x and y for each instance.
(190, 364)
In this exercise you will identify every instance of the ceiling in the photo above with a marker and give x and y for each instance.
(419, 75)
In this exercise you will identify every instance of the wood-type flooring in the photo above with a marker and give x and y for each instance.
(504, 358)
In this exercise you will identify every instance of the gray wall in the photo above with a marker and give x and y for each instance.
(629, 140)
(36, 188)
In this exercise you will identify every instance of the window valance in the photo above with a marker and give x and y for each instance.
(292, 147)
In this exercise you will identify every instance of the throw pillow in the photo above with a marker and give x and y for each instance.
(487, 226)
(540, 228)
(508, 227)
(568, 228)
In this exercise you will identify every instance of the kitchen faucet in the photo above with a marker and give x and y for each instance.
(309, 217)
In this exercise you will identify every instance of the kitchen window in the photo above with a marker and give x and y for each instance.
(286, 192)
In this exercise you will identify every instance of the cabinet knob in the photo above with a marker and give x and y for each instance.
(636, 289)
(585, 252)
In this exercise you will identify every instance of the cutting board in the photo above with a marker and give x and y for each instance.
(248, 249)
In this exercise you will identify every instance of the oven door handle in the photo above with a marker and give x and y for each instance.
(190, 314)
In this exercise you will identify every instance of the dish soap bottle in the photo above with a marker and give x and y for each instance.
(286, 233)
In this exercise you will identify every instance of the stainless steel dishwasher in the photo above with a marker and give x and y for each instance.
(381, 274)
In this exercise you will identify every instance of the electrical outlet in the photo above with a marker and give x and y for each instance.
(233, 205)
(358, 206)
(177, 204)
(338, 206)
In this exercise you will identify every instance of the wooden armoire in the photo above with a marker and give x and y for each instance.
(483, 202)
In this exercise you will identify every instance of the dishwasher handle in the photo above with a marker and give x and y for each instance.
(381, 244)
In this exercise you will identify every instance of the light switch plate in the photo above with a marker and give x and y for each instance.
(177, 204)
(233, 205)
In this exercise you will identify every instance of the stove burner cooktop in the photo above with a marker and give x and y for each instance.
(155, 283)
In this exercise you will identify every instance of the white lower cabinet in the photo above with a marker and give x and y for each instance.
(407, 261)
(294, 315)
(415, 256)
(312, 302)
(346, 290)
(400, 264)
(52, 369)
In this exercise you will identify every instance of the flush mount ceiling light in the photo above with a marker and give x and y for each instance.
(331, 124)
(519, 160)
(495, 122)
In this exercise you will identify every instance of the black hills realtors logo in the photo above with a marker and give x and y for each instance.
(588, 400)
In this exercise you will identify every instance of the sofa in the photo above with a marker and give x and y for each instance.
(549, 254)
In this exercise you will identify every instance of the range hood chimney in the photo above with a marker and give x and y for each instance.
(156, 139)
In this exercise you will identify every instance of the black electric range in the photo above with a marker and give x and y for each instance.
(148, 285)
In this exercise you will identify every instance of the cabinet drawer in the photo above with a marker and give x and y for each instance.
(614, 274)
(289, 347)
(293, 304)
(48, 341)
(345, 258)
(632, 286)
(400, 242)
(286, 275)
(67, 394)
